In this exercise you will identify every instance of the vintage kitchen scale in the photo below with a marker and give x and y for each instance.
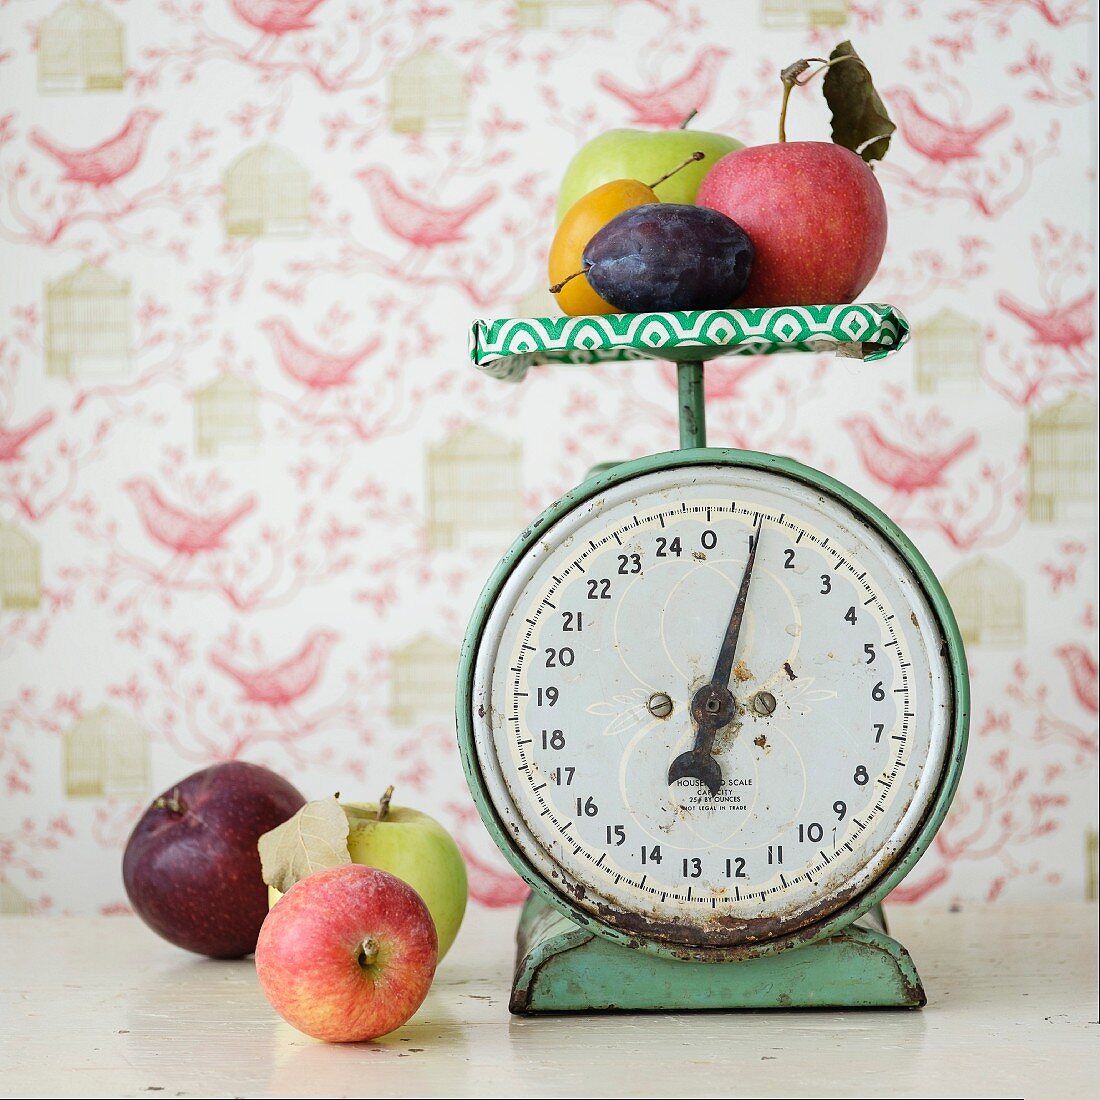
(712, 704)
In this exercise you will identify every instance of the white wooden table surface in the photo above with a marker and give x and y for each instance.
(101, 1007)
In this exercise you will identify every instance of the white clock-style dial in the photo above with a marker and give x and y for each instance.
(600, 638)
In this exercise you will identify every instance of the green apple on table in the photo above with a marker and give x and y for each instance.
(644, 155)
(408, 844)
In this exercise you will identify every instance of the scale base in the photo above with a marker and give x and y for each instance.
(561, 967)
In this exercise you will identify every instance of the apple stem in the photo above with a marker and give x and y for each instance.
(688, 117)
(557, 287)
(368, 953)
(171, 803)
(792, 77)
(697, 155)
(384, 803)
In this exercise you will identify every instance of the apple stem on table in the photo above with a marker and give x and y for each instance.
(688, 117)
(384, 803)
(368, 951)
(171, 803)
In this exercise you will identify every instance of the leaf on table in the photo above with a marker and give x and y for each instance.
(860, 120)
(316, 837)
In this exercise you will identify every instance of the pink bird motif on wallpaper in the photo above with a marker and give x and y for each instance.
(12, 439)
(276, 16)
(317, 369)
(671, 103)
(936, 139)
(1068, 327)
(282, 684)
(107, 162)
(898, 467)
(418, 222)
(1081, 666)
(180, 530)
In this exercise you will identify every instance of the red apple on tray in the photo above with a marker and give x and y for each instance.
(814, 210)
(191, 868)
(347, 954)
(815, 214)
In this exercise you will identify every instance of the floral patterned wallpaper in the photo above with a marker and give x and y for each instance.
(250, 485)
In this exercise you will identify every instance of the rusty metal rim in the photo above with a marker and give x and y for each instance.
(814, 926)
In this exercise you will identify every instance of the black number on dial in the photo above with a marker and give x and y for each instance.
(664, 547)
(735, 868)
(564, 657)
(693, 867)
(553, 739)
(599, 589)
(630, 563)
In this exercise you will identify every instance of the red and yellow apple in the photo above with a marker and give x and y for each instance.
(816, 216)
(347, 954)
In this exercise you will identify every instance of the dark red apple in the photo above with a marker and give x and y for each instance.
(815, 214)
(191, 867)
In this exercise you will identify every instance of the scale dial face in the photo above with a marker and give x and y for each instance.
(611, 622)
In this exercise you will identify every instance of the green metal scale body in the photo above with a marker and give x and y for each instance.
(712, 704)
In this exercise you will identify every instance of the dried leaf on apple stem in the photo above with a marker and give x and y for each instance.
(316, 837)
(860, 120)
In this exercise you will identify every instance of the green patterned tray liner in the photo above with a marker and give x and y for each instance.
(506, 348)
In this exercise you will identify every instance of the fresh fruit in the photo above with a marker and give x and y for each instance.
(348, 954)
(191, 868)
(814, 210)
(642, 155)
(667, 256)
(584, 220)
(815, 213)
(408, 844)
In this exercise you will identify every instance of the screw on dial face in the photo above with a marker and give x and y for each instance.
(712, 706)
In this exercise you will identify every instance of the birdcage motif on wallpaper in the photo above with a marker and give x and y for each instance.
(106, 753)
(474, 492)
(564, 15)
(20, 570)
(13, 902)
(422, 676)
(81, 48)
(803, 14)
(1062, 461)
(988, 601)
(947, 352)
(427, 92)
(266, 194)
(88, 318)
(227, 418)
